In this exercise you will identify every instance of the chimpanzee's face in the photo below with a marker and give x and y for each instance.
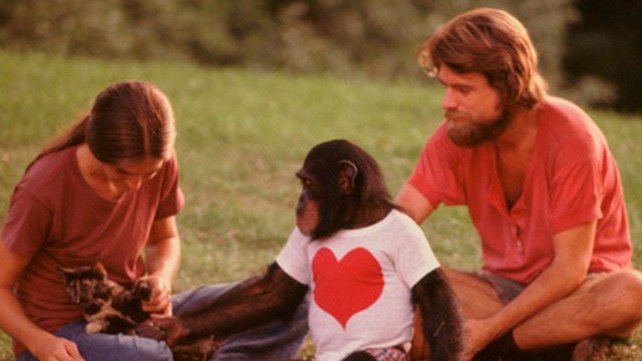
(330, 196)
(307, 208)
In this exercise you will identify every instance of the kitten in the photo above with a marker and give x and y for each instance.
(111, 308)
(107, 306)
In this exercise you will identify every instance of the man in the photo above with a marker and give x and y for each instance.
(542, 189)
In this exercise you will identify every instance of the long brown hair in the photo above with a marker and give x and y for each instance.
(129, 120)
(491, 42)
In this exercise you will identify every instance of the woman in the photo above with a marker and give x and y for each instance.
(107, 191)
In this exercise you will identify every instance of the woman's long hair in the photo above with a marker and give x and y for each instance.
(129, 120)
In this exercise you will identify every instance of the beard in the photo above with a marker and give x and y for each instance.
(467, 132)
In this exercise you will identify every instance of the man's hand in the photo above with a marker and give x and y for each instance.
(478, 333)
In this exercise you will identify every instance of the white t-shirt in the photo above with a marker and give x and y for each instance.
(360, 283)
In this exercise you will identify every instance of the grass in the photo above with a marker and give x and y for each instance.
(243, 134)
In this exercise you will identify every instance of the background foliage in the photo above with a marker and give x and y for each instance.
(355, 38)
(606, 44)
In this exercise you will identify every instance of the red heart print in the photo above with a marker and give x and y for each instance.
(344, 288)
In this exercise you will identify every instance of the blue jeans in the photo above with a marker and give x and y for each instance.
(274, 341)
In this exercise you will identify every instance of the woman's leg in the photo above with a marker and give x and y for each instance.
(106, 347)
(276, 340)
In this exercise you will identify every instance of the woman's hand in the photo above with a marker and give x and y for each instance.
(163, 257)
(52, 348)
(159, 303)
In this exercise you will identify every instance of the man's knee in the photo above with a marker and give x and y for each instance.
(621, 291)
(626, 290)
(630, 284)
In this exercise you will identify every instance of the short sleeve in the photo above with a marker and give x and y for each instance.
(172, 199)
(575, 195)
(415, 257)
(27, 224)
(293, 257)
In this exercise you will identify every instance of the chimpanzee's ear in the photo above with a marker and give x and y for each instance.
(347, 176)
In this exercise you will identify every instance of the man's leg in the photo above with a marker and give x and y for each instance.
(476, 297)
(605, 304)
(277, 340)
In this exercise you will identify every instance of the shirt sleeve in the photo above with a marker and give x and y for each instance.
(415, 257)
(437, 174)
(293, 257)
(27, 224)
(172, 199)
(575, 195)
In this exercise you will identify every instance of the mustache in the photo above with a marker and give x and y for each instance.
(454, 115)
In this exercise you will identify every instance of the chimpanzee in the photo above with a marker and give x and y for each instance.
(366, 264)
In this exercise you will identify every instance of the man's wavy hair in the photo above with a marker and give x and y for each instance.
(491, 42)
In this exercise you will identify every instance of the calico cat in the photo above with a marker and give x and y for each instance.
(111, 308)
(107, 306)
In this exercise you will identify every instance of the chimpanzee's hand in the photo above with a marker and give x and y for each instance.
(170, 329)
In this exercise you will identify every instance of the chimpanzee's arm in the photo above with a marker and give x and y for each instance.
(252, 303)
(442, 324)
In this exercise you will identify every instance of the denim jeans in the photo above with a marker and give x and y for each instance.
(271, 342)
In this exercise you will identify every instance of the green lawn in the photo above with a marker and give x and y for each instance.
(243, 134)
